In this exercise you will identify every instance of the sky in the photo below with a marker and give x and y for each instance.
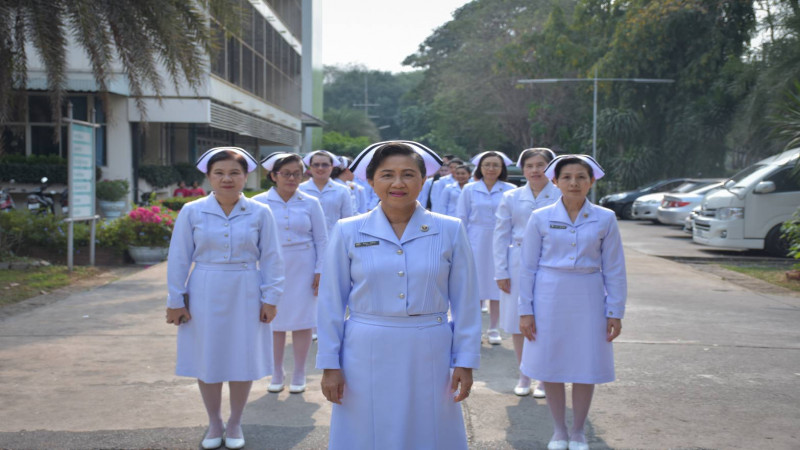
(379, 34)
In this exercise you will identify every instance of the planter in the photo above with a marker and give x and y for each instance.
(148, 255)
(112, 210)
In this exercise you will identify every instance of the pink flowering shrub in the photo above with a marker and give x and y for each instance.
(142, 227)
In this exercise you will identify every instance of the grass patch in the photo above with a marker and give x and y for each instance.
(774, 275)
(18, 285)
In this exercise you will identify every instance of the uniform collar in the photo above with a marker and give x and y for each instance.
(273, 195)
(242, 207)
(421, 224)
(499, 186)
(587, 213)
(311, 185)
(549, 191)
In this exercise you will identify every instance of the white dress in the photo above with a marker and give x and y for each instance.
(396, 348)
(237, 266)
(512, 216)
(334, 199)
(303, 235)
(476, 208)
(572, 278)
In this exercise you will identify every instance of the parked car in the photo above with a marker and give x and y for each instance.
(688, 223)
(749, 211)
(646, 206)
(622, 202)
(676, 207)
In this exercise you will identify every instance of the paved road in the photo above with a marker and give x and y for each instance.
(701, 363)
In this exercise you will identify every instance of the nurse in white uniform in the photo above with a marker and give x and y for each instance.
(477, 205)
(448, 199)
(395, 369)
(334, 198)
(512, 216)
(572, 296)
(224, 309)
(303, 235)
(342, 175)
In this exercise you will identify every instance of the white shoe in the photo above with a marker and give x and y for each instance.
(574, 445)
(484, 309)
(211, 443)
(234, 442)
(313, 336)
(297, 388)
(557, 445)
(522, 391)
(494, 336)
(538, 391)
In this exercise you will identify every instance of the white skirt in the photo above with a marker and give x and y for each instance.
(570, 345)
(480, 239)
(397, 391)
(509, 303)
(297, 309)
(225, 340)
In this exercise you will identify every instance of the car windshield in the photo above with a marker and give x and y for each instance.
(706, 189)
(687, 187)
(650, 186)
(750, 175)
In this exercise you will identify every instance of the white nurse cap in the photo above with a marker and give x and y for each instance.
(539, 149)
(477, 158)
(202, 162)
(359, 167)
(269, 162)
(550, 171)
(307, 158)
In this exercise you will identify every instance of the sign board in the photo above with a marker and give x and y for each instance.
(81, 171)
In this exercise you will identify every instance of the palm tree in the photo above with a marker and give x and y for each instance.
(139, 34)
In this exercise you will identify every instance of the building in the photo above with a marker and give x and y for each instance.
(262, 92)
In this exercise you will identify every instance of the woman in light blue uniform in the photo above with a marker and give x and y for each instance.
(334, 198)
(224, 309)
(476, 208)
(342, 175)
(395, 369)
(512, 216)
(448, 199)
(572, 296)
(303, 235)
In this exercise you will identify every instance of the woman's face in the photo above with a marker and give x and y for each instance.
(288, 178)
(533, 169)
(574, 181)
(397, 181)
(346, 175)
(462, 176)
(227, 177)
(321, 167)
(491, 168)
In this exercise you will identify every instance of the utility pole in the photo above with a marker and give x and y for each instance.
(594, 105)
(366, 103)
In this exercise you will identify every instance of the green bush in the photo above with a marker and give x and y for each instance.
(144, 226)
(175, 203)
(344, 144)
(189, 173)
(112, 190)
(791, 232)
(20, 229)
(159, 176)
(33, 173)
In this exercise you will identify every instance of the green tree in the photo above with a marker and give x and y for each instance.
(351, 122)
(141, 35)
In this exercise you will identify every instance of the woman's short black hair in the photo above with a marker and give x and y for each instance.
(339, 170)
(391, 149)
(226, 155)
(463, 167)
(528, 153)
(572, 160)
(280, 162)
(503, 175)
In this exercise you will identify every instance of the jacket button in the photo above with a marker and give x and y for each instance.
(399, 252)
(401, 295)
(439, 319)
(401, 273)
(571, 257)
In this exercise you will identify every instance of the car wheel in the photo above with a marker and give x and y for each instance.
(627, 211)
(774, 244)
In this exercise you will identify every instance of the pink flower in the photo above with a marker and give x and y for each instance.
(156, 209)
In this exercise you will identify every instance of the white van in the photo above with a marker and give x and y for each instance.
(749, 211)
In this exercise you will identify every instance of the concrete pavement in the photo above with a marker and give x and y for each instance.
(701, 363)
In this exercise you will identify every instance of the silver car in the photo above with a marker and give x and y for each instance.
(646, 206)
(676, 207)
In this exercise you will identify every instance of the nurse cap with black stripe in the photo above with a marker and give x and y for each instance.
(202, 161)
(359, 166)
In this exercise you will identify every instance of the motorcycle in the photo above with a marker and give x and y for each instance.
(41, 201)
(6, 201)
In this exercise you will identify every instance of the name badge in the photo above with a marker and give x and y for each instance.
(558, 227)
(366, 244)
